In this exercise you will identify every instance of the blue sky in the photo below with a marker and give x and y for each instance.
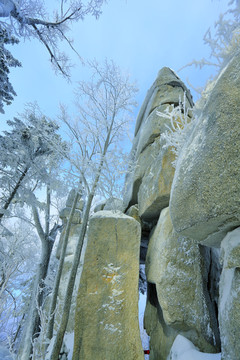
(140, 36)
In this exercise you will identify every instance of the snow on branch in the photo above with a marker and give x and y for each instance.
(181, 125)
(223, 40)
(31, 19)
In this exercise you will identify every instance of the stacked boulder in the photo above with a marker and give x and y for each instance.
(205, 201)
(191, 213)
(148, 184)
(187, 223)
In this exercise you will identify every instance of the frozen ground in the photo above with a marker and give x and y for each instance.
(144, 336)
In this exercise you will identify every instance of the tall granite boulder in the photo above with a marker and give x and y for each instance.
(229, 304)
(204, 202)
(148, 184)
(178, 268)
(106, 320)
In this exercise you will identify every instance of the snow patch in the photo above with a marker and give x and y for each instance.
(183, 349)
(143, 334)
(112, 328)
(69, 343)
(117, 214)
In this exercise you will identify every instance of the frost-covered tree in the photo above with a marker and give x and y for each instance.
(24, 151)
(223, 40)
(18, 259)
(47, 232)
(30, 162)
(32, 19)
(104, 106)
(6, 61)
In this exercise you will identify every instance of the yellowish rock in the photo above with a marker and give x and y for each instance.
(155, 188)
(106, 321)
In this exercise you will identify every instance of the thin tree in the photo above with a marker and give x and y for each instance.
(6, 61)
(55, 289)
(24, 149)
(18, 258)
(31, 19)
(109, 97)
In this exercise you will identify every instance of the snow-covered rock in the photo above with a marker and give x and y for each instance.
(204, 203)
(183, 349)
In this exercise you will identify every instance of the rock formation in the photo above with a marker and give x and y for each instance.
(229, 304)
(185, 218)
(106, 320)
(204, 201)
(149, 182)
(174, 265)
(182, 270)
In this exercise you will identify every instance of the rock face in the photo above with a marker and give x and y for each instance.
(149, 182)
(229, 304)
(205, 201)
(175, 265)
(106, 321)
(161, 335)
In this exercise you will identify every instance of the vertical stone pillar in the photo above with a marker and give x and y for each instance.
(229, 303)
(106, 320)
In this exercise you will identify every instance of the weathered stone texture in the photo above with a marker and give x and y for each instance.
(149, 182)
(70, 199)
(175, 265)
(106, 321)
(229, 304)
(161, 335)
(205, 201)
(113, 204)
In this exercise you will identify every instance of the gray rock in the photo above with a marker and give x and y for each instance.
(229, 305)
(99, 206)
(77, 217)
(161, 335)
(167, 82)
(204, 201)
(113, 204)
(70, 199)
(175, 265)
(155, 187)
(149, 180)
(134, 212)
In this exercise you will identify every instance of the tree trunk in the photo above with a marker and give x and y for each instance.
(59, 270)
(13, 193)
(32, 325)
(71, 281)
